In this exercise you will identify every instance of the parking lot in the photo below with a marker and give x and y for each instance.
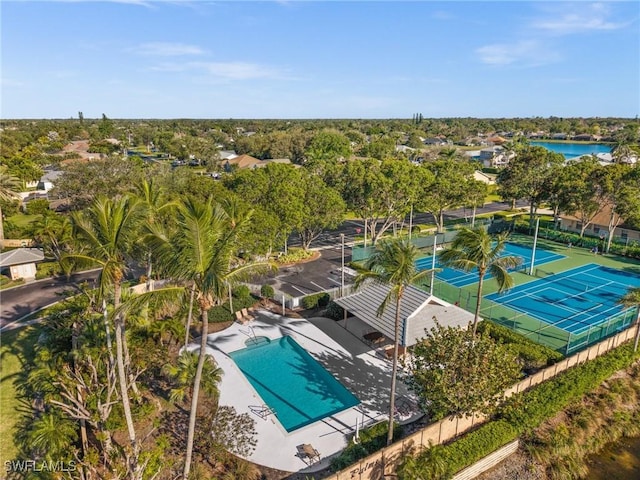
(314, 276)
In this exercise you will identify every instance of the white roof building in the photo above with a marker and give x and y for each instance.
(418, 312)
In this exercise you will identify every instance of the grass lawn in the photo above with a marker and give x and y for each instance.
(23, 220)
(16, 351)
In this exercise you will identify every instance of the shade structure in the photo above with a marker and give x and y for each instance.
(418, 312)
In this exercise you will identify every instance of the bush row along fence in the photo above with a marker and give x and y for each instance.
(293, 303)
(619, 245)
(385, 462)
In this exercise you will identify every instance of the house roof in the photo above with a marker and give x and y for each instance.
(20, 256)
(244, 161)
(418, 312)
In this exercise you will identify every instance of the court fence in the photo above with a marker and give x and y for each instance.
(422, 241)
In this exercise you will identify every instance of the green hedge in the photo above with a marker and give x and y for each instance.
(221, 313)
(267, 291)
(631, 250)
(532, 355)
(316, 300)
(371, 440)
(47, 269)
(527, 410)
(334, 311)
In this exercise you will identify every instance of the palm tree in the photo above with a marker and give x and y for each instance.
(184, 373)
(632, 299)
(9, 188)
(476, 248)
(106, 233)
(392, 263)
(200, 254)
(52, 436)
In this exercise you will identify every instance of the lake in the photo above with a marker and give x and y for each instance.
(573, 150)
(618, 461)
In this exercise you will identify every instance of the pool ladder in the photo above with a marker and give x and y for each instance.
(249, 333)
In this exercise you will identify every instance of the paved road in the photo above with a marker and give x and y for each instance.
(20, 301)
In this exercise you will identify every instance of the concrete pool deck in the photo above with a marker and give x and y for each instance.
(359, 368)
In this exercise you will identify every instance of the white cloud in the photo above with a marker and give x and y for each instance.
(9, 82)
(223, 70)
(527, 53)
(237, 70)
(442, 15)
(582, 18)
(166, 49)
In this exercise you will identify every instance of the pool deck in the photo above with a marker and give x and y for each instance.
(342, 352)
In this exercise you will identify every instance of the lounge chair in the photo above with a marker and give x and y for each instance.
(247, 315)
(263, 411)
(308, 454)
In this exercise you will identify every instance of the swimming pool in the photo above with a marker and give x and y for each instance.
(292, 383)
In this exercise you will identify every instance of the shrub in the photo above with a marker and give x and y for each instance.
(266, 291)
(39, 206)
(334, 311)
(532, 355)
(315, 300)
(47, 269)
(241, 291)
(220, 314)
(371, 440)
(295, 255)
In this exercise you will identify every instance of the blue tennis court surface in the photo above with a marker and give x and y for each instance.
(458, 278)
(574, 300)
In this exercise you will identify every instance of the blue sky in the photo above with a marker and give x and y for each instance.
(300, 59)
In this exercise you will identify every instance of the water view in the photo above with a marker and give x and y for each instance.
(618, 461)
(573, 150)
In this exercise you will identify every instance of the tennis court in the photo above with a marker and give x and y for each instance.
(458, 278)
(581, 302)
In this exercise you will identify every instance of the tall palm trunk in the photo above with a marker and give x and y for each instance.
(637, 339)
(204, 315)
(479, 300)
(122, 379)
(189, 316)
(1, 228)
(394, 371)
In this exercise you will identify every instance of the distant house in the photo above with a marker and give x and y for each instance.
(47, 182)
(436, 141)
(584, 137)
(559, 136)
(227, 154)
(496, 140)
(21, 262)
(247, 161)
(484, 178)
(600, 227)
(495, 156)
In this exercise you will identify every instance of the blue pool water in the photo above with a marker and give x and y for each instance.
(458, 278)
(292, 383)
(573, 150)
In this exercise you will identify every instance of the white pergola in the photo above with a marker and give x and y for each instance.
(418, 312)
